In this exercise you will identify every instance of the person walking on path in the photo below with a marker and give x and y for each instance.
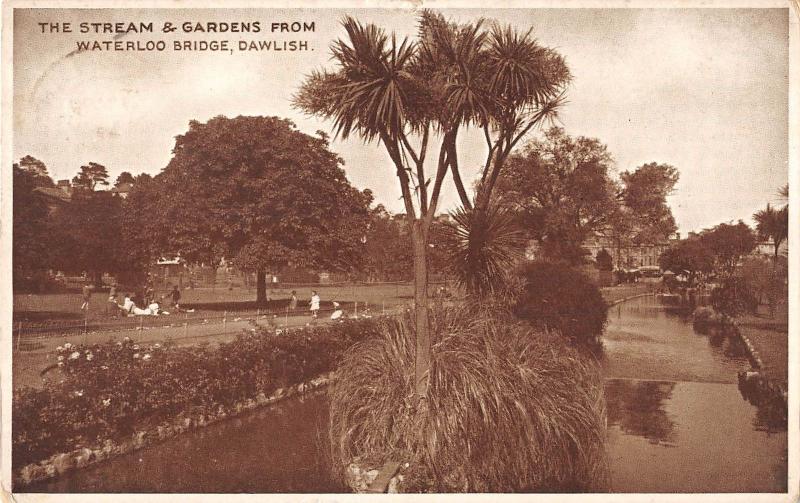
(176, 297)
(293, 301)
(314, 304)
(87, 294)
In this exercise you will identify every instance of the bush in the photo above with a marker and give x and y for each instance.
(558, 297)
(111, 390)
(508, 408)
(734, 296)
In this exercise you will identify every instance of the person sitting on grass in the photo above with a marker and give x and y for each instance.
(127, 304)
(337, 311)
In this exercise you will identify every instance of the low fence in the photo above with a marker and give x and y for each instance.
(176, 325)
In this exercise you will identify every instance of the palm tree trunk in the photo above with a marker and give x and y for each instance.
(422, 361)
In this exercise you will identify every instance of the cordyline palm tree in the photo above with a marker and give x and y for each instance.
(399, 92)
(773, 224)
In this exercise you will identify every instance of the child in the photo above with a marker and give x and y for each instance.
(314, 304)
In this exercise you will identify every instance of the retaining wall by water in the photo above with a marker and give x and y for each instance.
(58, 464)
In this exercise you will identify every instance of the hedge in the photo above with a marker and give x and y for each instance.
(112, 390)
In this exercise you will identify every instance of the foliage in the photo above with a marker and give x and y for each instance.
(31, 250)
(36, 169)
(509, 408)
(483, 248)
(90, 176)
(690, 255)
(773, 224)
(734, 296)
(124, 177)
(728, 243)
(604, 260)
(255, 190)
(644, 193)
(558, 297)
(111, 390)
(392, 90)
(561, 187)
(88, 233)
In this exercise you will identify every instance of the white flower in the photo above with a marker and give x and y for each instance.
(61, 364)
(126, 339)
(89, 357)
(60, 348)
(74, 356)
(156, 345)
(68, 346)
(60, 358)
(104, 367)
(135, 347)
(146, 357)
(119, 344)
(79, 393)
(106, 402)
(136, 355)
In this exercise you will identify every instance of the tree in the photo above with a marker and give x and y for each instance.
(36, 169)
(31, 251)
(394, 91)
(88, 233)
(90, 176)
(691, 255)
(729, 243)
(124, 177)
(256, 191)
(645, 192)
(561, 187)
(774, 225)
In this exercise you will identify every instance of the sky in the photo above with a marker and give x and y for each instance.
(705, 90)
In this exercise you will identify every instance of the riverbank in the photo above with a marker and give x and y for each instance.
(769, 337)
(616, 294)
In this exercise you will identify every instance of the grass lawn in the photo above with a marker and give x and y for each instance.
(33, 308)
(770, 337)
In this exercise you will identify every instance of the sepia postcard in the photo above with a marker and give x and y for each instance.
(403, 250)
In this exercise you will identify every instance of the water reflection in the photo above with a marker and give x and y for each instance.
(637, 407)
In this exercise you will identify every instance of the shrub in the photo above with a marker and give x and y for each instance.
(558, 297)
(703, 318)
(734, 296)
(508, 408)
(604, 260)
(110, 390)
(483, 247)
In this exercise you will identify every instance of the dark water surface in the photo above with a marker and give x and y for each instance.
(676, 423)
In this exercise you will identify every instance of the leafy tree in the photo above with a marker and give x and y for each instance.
(691, 255)
(729, 243)
(645, 192)
(254, 190)
(774, 225)
(37, 170)
(31, 250)
(124, 177)
(88, 233)
(562, 189)
(395, 91)
(90, 176)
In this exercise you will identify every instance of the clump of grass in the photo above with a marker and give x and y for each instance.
(507, 410)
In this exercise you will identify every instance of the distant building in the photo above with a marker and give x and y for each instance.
(768, 249)
(630, 256)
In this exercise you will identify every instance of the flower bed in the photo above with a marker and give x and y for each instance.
(112, 396)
